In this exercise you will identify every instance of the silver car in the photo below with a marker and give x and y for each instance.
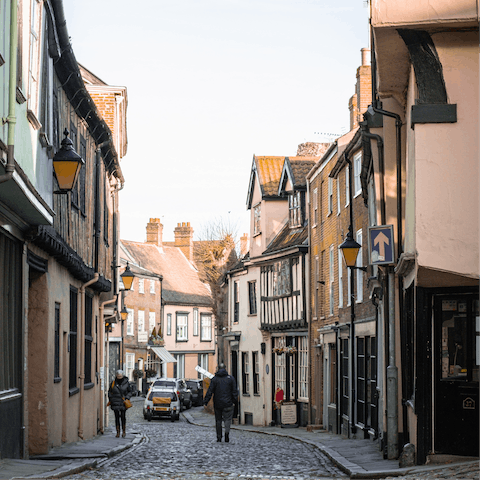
(161, 402)
(180, 387)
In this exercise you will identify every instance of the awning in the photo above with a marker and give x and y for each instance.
(163, 354)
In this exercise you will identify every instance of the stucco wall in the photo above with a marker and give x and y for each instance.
(447, 174)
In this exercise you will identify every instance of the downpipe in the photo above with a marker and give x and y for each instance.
(12, 94)
(82, 351)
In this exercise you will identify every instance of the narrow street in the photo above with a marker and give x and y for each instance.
(179, 450)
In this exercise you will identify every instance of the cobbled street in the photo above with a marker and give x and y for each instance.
(180, 450)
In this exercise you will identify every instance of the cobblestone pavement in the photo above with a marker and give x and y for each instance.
(179, 450)
(459, 472)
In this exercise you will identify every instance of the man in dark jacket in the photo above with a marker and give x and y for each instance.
(225, 396)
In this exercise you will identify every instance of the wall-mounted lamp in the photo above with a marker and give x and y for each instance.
(127, 278)
(124, 313)
(66, 165)
(350, 249)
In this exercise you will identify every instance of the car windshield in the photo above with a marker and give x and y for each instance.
(164, 383)
(192, 384)
(163, 394)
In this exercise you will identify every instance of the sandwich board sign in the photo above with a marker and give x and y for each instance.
(381, 247)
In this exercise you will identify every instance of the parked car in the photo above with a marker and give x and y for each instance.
(134, 389)
(180, 387)
(196, 386)
(161, 402)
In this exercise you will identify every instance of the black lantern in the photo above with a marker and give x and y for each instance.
(67, 164)
(124, 313)
(350, 249)
(127, 278)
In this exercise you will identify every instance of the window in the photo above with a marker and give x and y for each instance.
(281, 282)
(206, 328)
(349, 285)
(245, 373)
(130, 321)
(81, 176)
(338, 196)
(293, 377)
(330, 195)
(340, 279)
(344, 375)
(73, 137)
(152, 286)
(256, 373)
(182, 327)
(236, 303)
(203, 362)
(105, 214)
(303, 366)
(88, 338)
(256, 219)
(315, 207)
(359, 273)
(357, 168)
(129, 365)
(294, 209)
(35, 22)
(317, 285)
(280, 369)
(141, 321)
(331, 279)
(195, 322)
(141, 285)
(347, 186)
(252, 297)
(179, 367)
(72, 383)
(151, 321)
(169, 323)
(56, 370)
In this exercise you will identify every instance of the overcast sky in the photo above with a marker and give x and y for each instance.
(211, 83)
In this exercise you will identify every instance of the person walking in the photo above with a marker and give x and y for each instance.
(225, 396)
(119, 391)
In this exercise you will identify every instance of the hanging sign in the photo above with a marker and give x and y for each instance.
(381, 246)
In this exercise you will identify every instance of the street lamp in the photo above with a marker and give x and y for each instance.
(127, 278)
(350, 249)
(124, 313)
(67, 164)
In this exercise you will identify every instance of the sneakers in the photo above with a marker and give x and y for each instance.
(227, 437)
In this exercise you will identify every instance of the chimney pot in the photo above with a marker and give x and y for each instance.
(365, 56)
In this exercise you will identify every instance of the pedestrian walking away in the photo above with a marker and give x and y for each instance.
(119, 395)
(225, 396)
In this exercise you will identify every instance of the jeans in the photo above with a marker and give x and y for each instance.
(120, 416)
(226, 415)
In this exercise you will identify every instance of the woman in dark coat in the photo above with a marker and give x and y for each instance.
(119, 390)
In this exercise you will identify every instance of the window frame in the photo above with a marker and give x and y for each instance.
(252, 297)
(195, 322)
(256, 373)
(315, 207)
(73, 341)
(303, 392)
(169, 323)
(178, 316)
(205, 317)
(347, 186)
(151, 315)
(359, 263)
(56, 368)
(236, 302)
(340, 279)
(330, 196)
(331, 280)
(88, 339)
(152, 287)
(257, 217)
(130, 322)
(357, 169)
(141, 285)
(338, 196)
(295, 209)
(245, 373)
(140, 321)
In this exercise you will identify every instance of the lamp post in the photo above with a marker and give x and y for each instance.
(67, 164)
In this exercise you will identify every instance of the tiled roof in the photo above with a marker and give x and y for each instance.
(181, 284)
(299, 168)
(288, 237)
(269, 171)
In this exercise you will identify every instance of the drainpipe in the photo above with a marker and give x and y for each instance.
(82, 351)
(309, 319)
(12, 94)
(392, 371)
(102, 357)
(98, 174)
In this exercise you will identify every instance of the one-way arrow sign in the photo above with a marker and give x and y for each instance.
(381, 245)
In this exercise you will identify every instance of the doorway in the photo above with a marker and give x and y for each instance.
(456, 322)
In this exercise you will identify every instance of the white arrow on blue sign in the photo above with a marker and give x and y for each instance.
(381, 247)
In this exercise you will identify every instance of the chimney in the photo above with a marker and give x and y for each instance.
(244, 244)
(364, 84)
(352, 106)
(154, 231)
(184, 239)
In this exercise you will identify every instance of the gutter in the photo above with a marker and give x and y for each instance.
(12, 92)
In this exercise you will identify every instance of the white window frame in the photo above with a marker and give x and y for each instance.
(180, 357)
(141, 321)
(357, 168)
(195, 322)
(151, 321)
(330, 195)
(141, 285)
(347, 186)
(152, 286)
(129, 365)
(303, 368)
(349, 286)
(280, 368)
(359, 263)
(331, 291)
(169, 323)
(203, 362)
(295, 209)
(315, 207)
(130, 318)
(340, 279)
(246, 373)
(34, 57)
(205, 327)
(338, 195)
(181, 327)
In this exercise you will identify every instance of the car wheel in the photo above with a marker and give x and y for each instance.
(149, 417)
(190, 405)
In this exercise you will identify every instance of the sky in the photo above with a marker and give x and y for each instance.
(210, 83)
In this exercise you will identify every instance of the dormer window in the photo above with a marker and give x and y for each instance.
(294, 209)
